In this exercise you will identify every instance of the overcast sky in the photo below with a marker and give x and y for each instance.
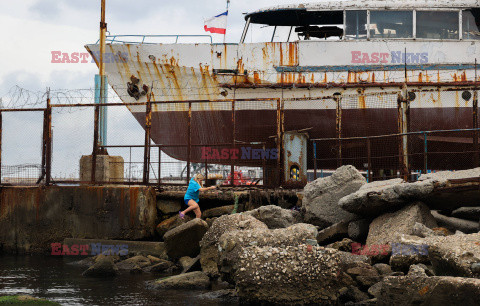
(32, 29)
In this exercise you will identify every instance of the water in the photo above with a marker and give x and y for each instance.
(52, 278)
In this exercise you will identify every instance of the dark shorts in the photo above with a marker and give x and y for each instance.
(186, 201)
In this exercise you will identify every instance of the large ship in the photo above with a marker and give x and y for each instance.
(330, 51)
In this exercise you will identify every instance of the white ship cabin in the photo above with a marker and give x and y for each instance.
(366, 20)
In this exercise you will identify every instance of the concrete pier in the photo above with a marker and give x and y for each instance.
(31, 218)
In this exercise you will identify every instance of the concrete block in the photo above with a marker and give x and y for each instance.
(108, 169)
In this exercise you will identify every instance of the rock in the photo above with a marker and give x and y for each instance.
(375, 289)
(417, 271)
(421, 230)
(386, 228)
(403, 263)
(170, 224)
(475, 268)
(421, 290)
(373, 199)
(231, 244)
(351, 294)
(275, 217)
(454, 224)
(345, 245)
(169, 206)
(209, 255)
(364, 274)
(333, 233)
(467, 213)
(104, 267)
(153, 259)
(188, 264)
(321, 197)
(291, 275)
(218, 211)
(358, 230)
(161, 267)
(185, 239)
(192, 280)
(377, 198)
(383, 269)
(132, 263)
(454, 255)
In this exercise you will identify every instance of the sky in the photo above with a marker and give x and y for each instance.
(32, 29)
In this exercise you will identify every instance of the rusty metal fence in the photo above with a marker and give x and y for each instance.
(442, 134)
(384, 134)
(67, 133)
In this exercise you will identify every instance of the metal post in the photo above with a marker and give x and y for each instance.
(101, 67)
(44, 146)
(314, 160)
(369, 161)
(189, 139)
(48, 155)
(1, 134)
(475, 121)
(95, 144)
(279, 142)
(403, 129)
(338, 129)
(146, 153)
(425, 153)
(264, 174)
(159, 166)
(232, 166)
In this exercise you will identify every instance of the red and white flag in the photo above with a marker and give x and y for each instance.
(217, 24)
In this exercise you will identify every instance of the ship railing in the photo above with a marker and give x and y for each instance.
(141, 39)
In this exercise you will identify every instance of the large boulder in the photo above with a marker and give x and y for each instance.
(421, 290)
(209, 255)
(298, 274)
(455, 255)
(192, 280)
(388, 227)
(275, 217)
(376, 198)
(185, 239)
(321, 197)
(231, 244)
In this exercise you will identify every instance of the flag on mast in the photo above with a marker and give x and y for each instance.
(217, 24)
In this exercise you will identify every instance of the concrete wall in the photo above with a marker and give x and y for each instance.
(31, 218)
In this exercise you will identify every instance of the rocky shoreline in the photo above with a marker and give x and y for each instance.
(348, 242)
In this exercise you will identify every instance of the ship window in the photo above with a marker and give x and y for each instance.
(356, 24)
(471, 24)
(437, 25)
(391, 24)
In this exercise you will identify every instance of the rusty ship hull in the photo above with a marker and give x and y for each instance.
(294, 73)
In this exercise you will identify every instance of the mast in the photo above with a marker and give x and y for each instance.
(226, 26)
